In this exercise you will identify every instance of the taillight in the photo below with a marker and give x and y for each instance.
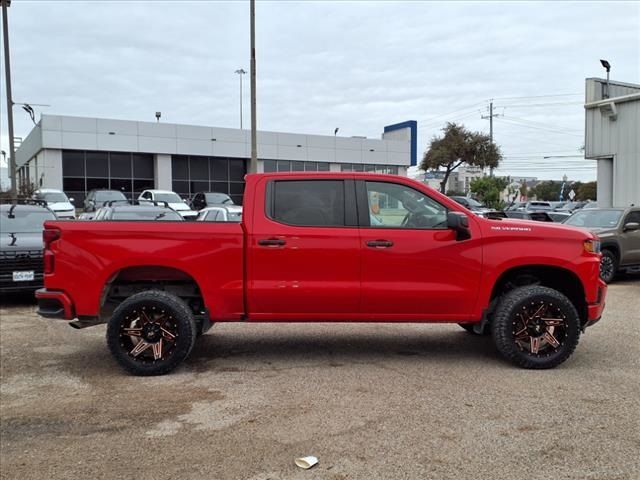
(49, 235)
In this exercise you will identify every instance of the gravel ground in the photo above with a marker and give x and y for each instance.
(371, 401)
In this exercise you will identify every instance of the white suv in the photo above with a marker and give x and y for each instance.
(171, 198)
(57, 201)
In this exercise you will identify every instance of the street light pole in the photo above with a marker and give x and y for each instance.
(240, 73)
(7, 72)
(253, 163)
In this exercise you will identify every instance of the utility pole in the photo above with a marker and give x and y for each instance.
(7, 72)
(253, 163)
(240, 73)
(490, 117)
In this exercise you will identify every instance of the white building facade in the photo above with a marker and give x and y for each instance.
(612, 138)
(78, 154)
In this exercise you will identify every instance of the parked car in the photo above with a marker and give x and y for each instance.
(232, 213)
(571, 207)
(97, 198)
(308, 249)
(171, 198)
(537, 206)
(21, 227)
(137, 212)
(515, 206)
(535, 216)
(619, 233)
(210, 199)
(57, 201)
(473, 205)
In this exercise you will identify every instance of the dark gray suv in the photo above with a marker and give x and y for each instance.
(619, 233)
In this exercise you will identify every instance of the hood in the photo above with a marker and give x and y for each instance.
(179, 206)
(532, 227)
(20, 241)
(60, 206)
(602, 231)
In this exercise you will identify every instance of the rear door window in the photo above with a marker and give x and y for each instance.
(309, 203)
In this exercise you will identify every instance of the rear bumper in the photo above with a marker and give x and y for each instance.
(54, 304)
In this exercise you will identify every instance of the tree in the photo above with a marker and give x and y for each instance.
(547, 190)
(587, 191)
(488, 190)
(457, 146)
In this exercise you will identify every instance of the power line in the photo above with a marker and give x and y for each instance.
(526, 105)
(541, 96)
(541, 124)
(522, 124)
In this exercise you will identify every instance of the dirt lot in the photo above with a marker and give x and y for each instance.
(371, 401)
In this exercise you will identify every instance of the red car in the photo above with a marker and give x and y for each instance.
(323, 247)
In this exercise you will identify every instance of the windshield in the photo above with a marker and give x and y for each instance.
(474, 203)
(24, 222)
(108, 196)
(53, 197)
(167, 197)
(147, 215)
(219, 198)
(595, 218)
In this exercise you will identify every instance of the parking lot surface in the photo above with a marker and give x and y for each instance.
(371, 401)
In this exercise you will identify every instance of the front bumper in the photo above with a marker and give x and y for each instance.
(594, 310)
(54, 304)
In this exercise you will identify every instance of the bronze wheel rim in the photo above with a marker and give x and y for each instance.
(149, 334)
(540, 328)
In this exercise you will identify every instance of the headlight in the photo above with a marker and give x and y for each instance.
(592, 246)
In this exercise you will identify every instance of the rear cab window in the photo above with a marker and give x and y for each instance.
(311, 203)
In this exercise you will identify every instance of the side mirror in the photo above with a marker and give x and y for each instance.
(459, 222)
(631, 227)
(71, 200)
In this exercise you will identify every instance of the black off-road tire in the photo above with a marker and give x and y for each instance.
(509, 314)
(608, 265)
(469, 328)
(179, 320)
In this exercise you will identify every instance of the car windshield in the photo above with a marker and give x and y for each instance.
(108, 196)
(24, 222)
(53, 197)
(474, 203)
(167, 197)
(219, 198)
(147, 215)
(595, 218)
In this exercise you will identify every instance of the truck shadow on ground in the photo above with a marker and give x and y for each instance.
(340, 348)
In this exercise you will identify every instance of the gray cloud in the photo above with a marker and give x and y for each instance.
(355, 65)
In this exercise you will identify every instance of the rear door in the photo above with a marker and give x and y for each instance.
(304, 250)
(413, 267)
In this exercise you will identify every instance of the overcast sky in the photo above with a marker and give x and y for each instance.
(354, 65)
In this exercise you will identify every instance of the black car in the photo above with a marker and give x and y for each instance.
(137, 213)
(97, 198)
(210, 199)
(21, 264)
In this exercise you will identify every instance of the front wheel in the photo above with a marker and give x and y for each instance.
(151, 333)
(608, 265)
(536, 327)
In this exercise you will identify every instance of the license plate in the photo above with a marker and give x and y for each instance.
(23, 276)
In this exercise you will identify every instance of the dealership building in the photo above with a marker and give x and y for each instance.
(612, 138)
(78, 154)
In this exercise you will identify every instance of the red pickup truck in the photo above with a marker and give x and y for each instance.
(325, 247)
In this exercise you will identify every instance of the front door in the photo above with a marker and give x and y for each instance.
(630, 239)
(413, 267)
(304, 251)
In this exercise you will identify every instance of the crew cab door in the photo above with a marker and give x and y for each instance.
(413, 267)
(630, 239)
(304, 250)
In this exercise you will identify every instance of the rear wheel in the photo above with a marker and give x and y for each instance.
(151, 332)
(608, 265)
(536, 327)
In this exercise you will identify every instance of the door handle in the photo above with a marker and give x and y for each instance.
(380, 243)
(271, 242)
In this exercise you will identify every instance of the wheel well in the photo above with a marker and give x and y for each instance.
(560, 279)
(131, 280)
(614, 248)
